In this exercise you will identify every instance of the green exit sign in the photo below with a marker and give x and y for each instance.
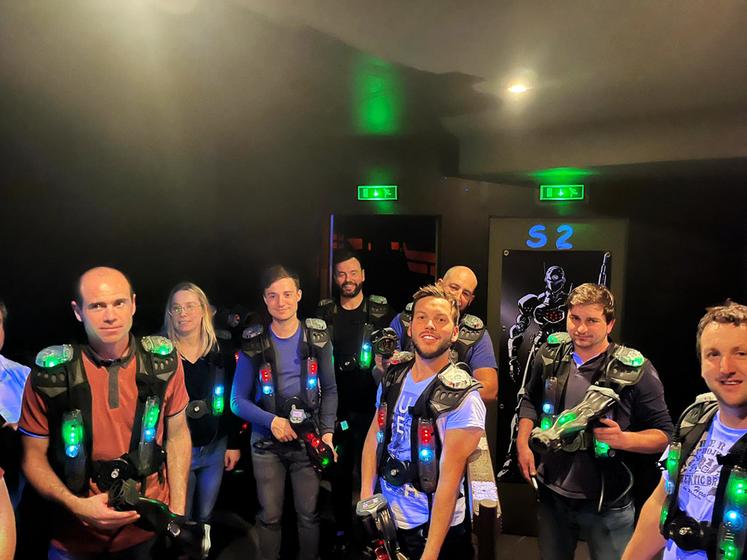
(561, 192)
(377, 192)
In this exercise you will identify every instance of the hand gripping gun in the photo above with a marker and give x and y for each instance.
(377, 519)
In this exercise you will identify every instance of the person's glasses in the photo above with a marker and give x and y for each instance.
(188, 308)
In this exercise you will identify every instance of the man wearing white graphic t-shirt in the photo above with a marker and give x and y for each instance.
(430, 419)
(699, 509)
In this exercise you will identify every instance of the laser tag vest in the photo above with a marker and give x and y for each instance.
(445, 393)
(622, 367)
(376, 308)
(214, 402)
(259, 349)
(59, 378)
(726, 534)
(471, 330)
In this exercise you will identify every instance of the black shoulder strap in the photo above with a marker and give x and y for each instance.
(391, 386)
(556, 363)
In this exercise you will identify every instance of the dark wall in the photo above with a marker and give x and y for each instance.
(207, 146)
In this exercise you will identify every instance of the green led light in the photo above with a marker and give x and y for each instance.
(562, 192)
(377, 192)
(325, 461)
(601, 449)
(151, 413)
(663, 516)
(565, 418)
(546, 423)
(673, 460)
(730, 550)
(736, 489)
(54, 356)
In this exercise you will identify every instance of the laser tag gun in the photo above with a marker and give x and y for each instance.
(384, 342)
(378, 521)
(568, 431)
(320, 454)
(189, 537)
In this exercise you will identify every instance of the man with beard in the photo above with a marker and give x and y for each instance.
(697, 511)
(584, 486)
(430, 420)
(473, 345)
(351, 320)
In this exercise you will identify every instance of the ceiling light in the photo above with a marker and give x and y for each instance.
(518, 89)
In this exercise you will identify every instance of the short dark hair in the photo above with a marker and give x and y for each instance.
(345, 254)
(593, 294)
(3, 312)
(432, 290)
(278, 272)
(730, 313)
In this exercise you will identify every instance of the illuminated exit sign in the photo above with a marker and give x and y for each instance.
(561, 192)
(377, 192)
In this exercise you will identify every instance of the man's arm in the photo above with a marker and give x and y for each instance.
(93, 510)
(524, 454)
(488, 378)
(178, 459)
(7, 524)
(368, 461)
(647, 541)
(646, 441)
(458, 446)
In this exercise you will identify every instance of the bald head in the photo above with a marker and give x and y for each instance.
(98, 275)
(461, 283)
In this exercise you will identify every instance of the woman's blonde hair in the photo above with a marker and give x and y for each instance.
(207, 331)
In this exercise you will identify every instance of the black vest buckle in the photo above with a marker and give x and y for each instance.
(197, 409)
(688, 533)
(106, 473)
(396, 472)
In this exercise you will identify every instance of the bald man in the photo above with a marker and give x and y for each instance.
(98, 413)
(474, 346)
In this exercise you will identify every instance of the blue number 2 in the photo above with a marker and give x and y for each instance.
(562, 241)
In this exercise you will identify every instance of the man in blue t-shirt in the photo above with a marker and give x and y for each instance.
(429, 523)
(722, 347)
(460, 282)
(294, 361)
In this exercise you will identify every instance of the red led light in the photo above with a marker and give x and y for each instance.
(236, 357)
(313, 366)
(381, 417)
(426, 434)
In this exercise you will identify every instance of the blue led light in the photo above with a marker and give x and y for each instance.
(267, 389)
(311, 382)
(72, 451)
(219, 390)
(547, 408)
(733, 519)
(344, 425)
(149, 434)
(379, 437)
(426, 455)
(669, 487)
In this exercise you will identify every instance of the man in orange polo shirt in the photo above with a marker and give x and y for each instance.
(98, 412)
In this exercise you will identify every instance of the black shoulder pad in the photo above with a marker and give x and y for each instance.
(406, 316)
(625, 367)
(326, 302)
(222, 334)
(157, 345)
(326, 308)
(318, 333)
(377, 306)
(49, 375)
(252, 341)
(471, 322)
(453, 387)
(558, 338)
(394, 374)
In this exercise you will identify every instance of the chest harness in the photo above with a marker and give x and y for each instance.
(59, 378)
(471, 330)
(213, 403)
(302, 409)
(725, 536)
(376, 308)
(445, 393)
(569, 431)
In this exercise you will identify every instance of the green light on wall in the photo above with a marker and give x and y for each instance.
(377, 192)
(561, 192)
(378, 99)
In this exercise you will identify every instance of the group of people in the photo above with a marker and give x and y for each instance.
(164, 412)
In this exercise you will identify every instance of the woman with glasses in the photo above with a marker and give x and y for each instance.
(207, 373)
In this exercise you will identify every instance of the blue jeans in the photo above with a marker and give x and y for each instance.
(270, 468)
(562, 520)
(205, 476)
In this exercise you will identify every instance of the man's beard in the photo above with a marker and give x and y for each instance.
(443, 347)
(356, 291)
